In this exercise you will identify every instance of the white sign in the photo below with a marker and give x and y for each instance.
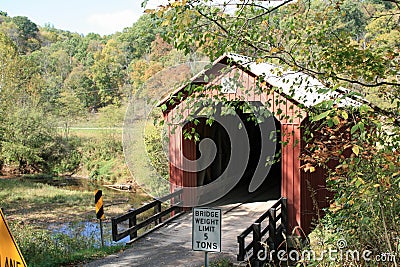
(206, 231)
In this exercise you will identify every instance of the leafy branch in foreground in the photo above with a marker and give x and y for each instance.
(335, 42)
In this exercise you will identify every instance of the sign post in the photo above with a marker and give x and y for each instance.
(10, 255)
(206, 231)
(98, 200)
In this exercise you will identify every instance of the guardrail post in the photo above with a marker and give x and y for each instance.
(114, 229)
(284, 215)
(256, 243)
(176, 201)
(132, 223)
(157, 209)
(272, 228)
(240, 256)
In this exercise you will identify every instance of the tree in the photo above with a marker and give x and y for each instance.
(8, 73)
(69, 109)
(109, 72)
(159, 49)
(9, 59)
(321, 38)
(79, 82)
(28, 34)
(27, 27)
(139, 37)
(28, 141)
(341, 43)
(139, 72)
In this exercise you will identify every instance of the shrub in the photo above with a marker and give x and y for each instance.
(42, 248)
(155, 151)
(103, 158)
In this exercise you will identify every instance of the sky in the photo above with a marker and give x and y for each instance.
(81, 16)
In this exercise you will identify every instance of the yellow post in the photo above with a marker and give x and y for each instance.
(98, 200)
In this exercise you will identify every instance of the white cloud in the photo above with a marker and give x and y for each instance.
(108, 23)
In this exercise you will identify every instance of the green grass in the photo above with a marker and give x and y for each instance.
(16, 193)
(90, 132)
(40, 248)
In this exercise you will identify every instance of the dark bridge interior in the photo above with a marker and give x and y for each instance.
(271, 187)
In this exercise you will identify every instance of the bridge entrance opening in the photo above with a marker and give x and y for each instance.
(270, 189)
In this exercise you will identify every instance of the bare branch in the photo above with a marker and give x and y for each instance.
(291, 61)
(396, 2)
(269, 10)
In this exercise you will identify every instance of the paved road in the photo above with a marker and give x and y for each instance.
(170, 246)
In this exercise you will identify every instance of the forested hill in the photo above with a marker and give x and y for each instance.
(51, 78)
(97, 70)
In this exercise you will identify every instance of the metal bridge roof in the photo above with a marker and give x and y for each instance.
(295, 85)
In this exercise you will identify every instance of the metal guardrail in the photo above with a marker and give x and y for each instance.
(157, 218)
(275, 224)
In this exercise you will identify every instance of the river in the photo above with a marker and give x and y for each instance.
(91, 228)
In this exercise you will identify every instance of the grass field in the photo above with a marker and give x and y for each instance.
(90, 132)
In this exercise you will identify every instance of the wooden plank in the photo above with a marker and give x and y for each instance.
(288, 173)
(297, 188)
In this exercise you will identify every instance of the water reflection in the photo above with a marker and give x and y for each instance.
(86, 230)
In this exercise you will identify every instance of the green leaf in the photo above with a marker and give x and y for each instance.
(356, 150)
(359, 182)
(354, 129)
(345, 115)
(336, 120)
(144, 3)
(361, 126)
(321, 116)
(365, 108)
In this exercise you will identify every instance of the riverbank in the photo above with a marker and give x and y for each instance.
(41, 201)
(34, 204)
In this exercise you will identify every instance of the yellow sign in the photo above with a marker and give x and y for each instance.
(10, 255)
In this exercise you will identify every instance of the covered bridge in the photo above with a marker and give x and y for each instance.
(238, 79)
